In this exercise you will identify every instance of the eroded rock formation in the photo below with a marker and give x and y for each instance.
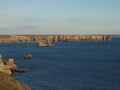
(7, 82)
(47, 44)
(8, 66)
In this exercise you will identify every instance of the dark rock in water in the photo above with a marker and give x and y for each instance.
(28, 56)
(31, 67)
(9, 83)
(25, 46)
(17, 70)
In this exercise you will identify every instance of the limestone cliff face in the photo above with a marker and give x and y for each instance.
(81, 38)
(56, 38)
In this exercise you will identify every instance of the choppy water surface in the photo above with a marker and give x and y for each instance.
(68, 65)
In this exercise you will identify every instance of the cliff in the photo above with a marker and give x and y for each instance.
(55, 38)
(9, 83)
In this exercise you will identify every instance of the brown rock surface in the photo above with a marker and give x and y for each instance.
(8, 66)
(29, 56)
(48, 44)
(12, 66)
(9, 83)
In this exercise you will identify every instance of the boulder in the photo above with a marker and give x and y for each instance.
(29, 56)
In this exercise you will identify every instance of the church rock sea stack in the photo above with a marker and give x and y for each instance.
(43, 44)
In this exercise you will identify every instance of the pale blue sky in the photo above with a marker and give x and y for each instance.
(59, 16)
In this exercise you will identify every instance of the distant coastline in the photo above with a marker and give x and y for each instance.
(53, 38)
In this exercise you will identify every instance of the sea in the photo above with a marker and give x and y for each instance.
(84, 65)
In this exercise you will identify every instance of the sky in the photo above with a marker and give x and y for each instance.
(59, 17)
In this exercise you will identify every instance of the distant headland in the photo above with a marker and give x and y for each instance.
(52, 38)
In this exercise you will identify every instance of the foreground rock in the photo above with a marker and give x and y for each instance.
(9, 83)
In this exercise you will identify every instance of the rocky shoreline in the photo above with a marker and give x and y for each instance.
(8, 67)
(52, 38)
(7, 82)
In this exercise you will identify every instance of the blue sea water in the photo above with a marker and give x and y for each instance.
(68, 65)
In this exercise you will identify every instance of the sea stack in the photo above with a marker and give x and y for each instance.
(42, 44)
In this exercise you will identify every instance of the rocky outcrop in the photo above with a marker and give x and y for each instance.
(4, 68)
(47, 44)
(9, 83)
(8, 66)
(42, 44)
(29, 56)
(12, 66)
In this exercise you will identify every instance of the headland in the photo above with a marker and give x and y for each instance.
(52, 38)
